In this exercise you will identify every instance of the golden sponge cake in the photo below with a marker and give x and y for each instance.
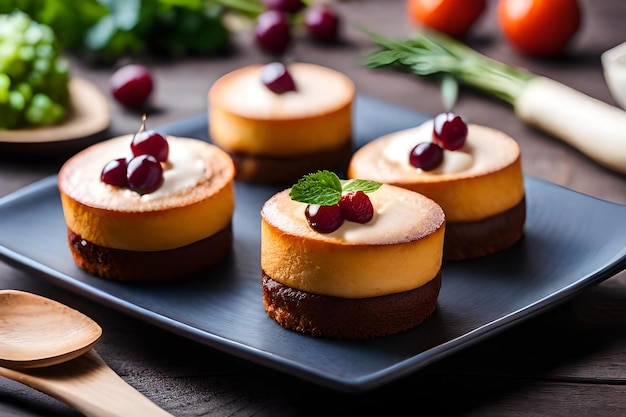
(480, 186)
(181, 228)
(277, 138)
(360, 281)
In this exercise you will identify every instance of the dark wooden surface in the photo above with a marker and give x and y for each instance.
(570, 360)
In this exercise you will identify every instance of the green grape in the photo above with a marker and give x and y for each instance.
(59, 77)
(16, 69)
(11, 111)
(5, 85)
(8, 53)
(33, 34)
(25, 90)
(17, 100)
(42, 65)
(47, 35)
(34, 78)
(39, 108)
(46, 51)
(26, 53)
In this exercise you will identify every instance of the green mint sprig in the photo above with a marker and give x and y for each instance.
(324, 188)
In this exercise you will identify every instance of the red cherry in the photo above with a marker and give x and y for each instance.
(151, 143)
(272, 32)
(324, 219)
(131, 85)
(449, 131)
(322, 23)
(357, 207)
(426, 155)
(276, 77)
(144, 173)
(114, 173)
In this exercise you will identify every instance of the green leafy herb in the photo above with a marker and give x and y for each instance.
(324, 188)
(364, 185)
(103, 31)
(434, 53)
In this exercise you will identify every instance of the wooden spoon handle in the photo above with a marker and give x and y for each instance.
(88, 385)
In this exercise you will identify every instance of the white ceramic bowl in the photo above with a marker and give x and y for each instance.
(614, 65)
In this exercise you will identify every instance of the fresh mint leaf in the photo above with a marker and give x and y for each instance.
(366, 186)
(324, 188)
(321, 187)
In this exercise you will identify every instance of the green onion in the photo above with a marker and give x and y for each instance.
(430, 54)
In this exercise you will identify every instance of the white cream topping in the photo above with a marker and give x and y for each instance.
(398, 216)
(399, 149)
(389, 215)
(183, 171)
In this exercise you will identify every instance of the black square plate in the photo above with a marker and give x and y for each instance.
(571, 241)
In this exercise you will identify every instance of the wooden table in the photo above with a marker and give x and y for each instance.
(570, 360)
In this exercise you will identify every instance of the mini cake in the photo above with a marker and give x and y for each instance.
(476, 178)
(143, 218)
(366, 270)
(279, 123)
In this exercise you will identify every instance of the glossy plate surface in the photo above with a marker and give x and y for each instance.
(571, 241)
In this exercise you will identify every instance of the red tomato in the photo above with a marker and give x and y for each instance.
(454, 17)
(539, 28)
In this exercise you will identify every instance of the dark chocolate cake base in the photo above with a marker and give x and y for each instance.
(466, 240)
(287, 170)
(157, 266)
(349, 318)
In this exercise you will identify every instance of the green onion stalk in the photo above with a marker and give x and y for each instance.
(434, 53)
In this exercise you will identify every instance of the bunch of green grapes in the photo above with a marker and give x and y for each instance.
(34, 78)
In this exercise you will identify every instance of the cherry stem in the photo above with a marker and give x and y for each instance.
(144, 117)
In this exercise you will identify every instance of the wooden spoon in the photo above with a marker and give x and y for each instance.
(36, 331)
(48, 346)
